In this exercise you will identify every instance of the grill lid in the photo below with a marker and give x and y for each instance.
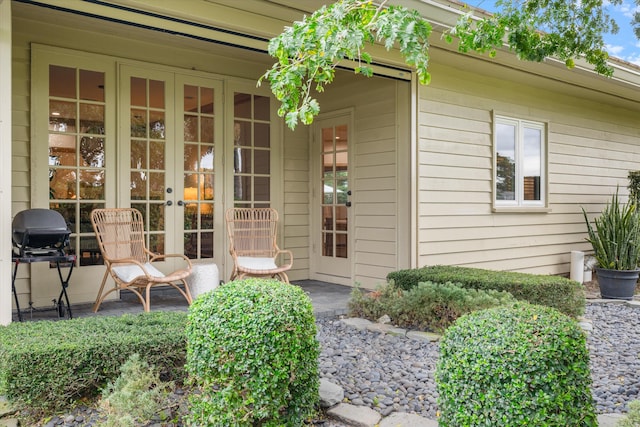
(39, 231)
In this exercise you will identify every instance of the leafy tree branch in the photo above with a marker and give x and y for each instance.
(308, 52)
(537, 29)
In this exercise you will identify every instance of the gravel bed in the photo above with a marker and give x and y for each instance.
(390, 373)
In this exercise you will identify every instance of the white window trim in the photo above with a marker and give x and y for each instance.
(519, 204)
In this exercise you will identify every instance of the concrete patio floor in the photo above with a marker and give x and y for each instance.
(328, 300)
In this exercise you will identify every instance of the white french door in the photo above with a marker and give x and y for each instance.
(170, 145)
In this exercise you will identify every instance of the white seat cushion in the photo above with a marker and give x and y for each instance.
(128, 272)
(257, 263)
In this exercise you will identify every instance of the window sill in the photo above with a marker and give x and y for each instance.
(520, 209)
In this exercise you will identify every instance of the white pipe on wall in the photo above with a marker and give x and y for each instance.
(577, 266)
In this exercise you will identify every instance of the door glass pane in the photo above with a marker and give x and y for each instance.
(199, 171)
(91, 85)
(76, 140)
(92, 119)
(335, 187)
(92, 152)
(148, 152)
(62, 82)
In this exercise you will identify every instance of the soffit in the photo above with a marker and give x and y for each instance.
(251, 23)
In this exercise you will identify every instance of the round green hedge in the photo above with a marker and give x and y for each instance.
(525, 365)
(253, 354)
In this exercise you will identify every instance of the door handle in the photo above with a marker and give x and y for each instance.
(180, 203)
(348, 204)
(169, 203)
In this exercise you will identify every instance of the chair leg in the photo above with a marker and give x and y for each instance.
(100, 297)
(147, 303)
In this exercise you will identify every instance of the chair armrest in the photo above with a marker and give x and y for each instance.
(157, 257)
(288, 254)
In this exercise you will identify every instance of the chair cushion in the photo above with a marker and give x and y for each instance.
(257, 263)
(128, 272)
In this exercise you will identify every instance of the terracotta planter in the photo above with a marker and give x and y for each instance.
(617, 284)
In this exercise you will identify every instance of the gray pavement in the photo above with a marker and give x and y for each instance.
(328, 300)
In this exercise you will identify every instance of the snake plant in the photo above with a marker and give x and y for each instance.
(616, 236)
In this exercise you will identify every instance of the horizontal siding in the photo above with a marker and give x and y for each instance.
(591, 148)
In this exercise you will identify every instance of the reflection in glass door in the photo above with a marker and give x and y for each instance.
(147, 115)
(77, 164)
(199, 114)
(333, 206)
(335, 190)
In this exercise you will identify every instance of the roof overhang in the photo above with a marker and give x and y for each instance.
(249, 25)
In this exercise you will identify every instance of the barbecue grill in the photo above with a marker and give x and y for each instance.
(42, 235)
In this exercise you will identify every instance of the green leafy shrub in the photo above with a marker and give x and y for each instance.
(525, 365)
(135, 396)
(252, 354)
(633, 416)
(553, 291)
(46, 365)
(429, 306)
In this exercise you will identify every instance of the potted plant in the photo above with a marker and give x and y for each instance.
(616, 246)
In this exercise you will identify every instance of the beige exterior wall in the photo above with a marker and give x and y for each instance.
(592, 144)
(380, 168)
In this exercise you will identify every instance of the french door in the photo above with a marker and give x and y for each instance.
(170, 145)
(332, 219)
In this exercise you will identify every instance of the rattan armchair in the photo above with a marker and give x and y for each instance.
(120, 235)
(252, 244)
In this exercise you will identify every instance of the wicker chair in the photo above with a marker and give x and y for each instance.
(252, 244)
(120, 235)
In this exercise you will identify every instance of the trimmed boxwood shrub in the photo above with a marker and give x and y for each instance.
(553, 291)
(46, 365)
(429, 306)
(525, 365)
(252, 355)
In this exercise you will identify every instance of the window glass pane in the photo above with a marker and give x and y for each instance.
(190, 128)
(138, 123)
(62, 183)
(242, 133)
(262, 161)
(62, 116)
(156, 217)
(156, 155)
(156, 124)
(156, 186)
(261, 107)
(156, 94)
(91, 85)
(138, 154)
(242, 105)
(505, 162)
(206, 250)
(532, 168)
(92, 185)
(92, 118)
(62, 82)
(62, 150)
(262, 135)
(206, 100)
(138, 92)
(190, 99)
(262, 190)
(138, 185)
(242, 188)
(206, 130)
(92, 152)
(206, 159)
(190, 157)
